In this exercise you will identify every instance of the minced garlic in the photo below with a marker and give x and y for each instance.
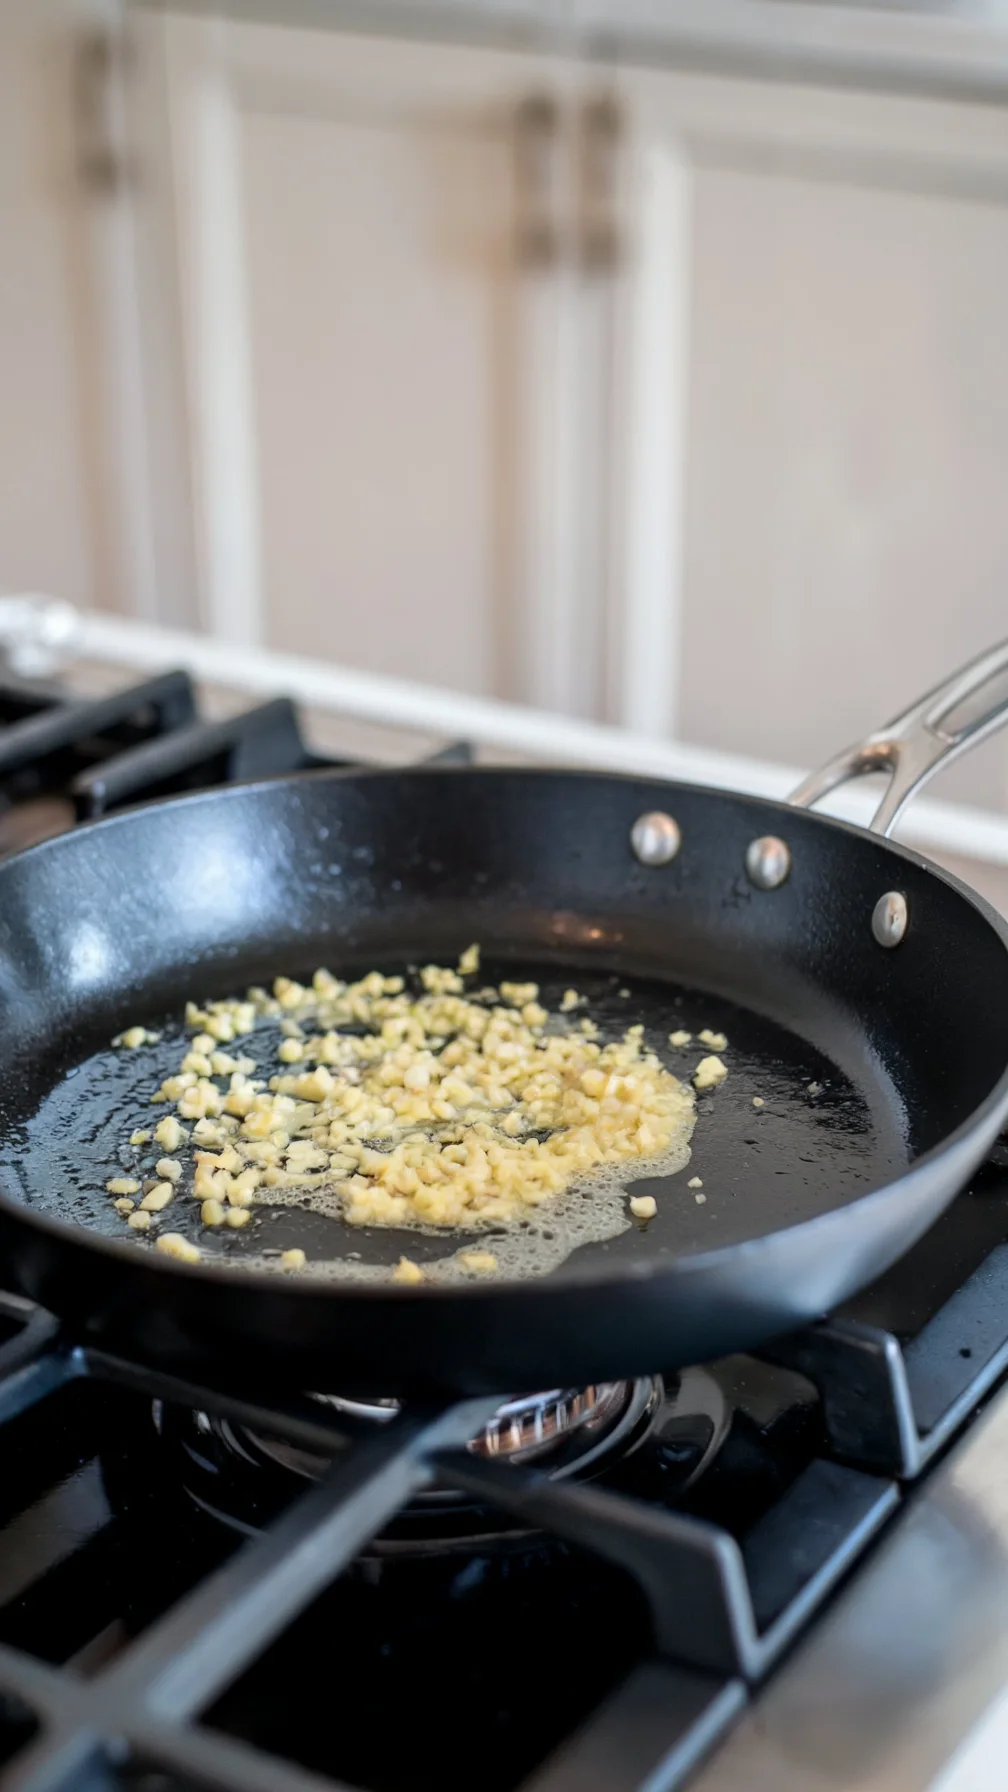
(169, 1133)
(174, 1245)
(709, 1072)
(435, 1109)
(483, 1262)
(158, 1198)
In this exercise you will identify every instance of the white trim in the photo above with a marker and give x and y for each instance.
(961, 44)
(654, 406)
(161, 375)
(591, 621)
(218, 338)
(448, 715)
(119, 359)
(127, 580)
(908, 143)
(559, 532)
(545, 536)
(563, 469)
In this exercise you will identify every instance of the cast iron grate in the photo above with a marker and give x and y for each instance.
(721, 1611)
(146, 741)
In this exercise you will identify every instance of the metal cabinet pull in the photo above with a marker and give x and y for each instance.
(536, 165)
(101, 164)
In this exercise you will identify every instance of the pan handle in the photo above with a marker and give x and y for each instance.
(930, 734)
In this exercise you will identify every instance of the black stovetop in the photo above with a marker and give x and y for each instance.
(177, 1611)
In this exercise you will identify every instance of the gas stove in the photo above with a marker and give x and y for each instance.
(781, 1572)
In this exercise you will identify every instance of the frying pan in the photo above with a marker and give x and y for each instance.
(863, 991)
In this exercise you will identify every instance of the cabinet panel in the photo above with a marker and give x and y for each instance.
(834, 278)
(741, 486)
(386, 373)
(847, 538)
(52, 513)
(377, 286)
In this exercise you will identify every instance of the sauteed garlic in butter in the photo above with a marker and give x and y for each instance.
(439, 1107)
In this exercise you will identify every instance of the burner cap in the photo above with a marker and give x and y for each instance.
(525, 1425)
(244, 1476)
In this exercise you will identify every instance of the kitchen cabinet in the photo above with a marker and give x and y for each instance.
(95, 506)
(671, 398)
(844, 539)
(383, 350)
(54, 533)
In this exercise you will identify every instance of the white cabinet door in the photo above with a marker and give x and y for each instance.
(818, 284)
(382, 424)
(72, 515)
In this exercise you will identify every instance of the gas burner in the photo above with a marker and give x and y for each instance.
(526, 1426)
(244, 1476)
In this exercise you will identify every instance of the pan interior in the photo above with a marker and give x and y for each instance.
(821, 1137)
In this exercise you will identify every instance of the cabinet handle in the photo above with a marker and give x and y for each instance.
(599, 139)
(101, 165)
(536, 169)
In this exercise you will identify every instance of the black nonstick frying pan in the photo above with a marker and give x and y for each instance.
(830, 957)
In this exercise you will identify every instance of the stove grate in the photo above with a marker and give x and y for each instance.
(148, 740)
(893, 1408)
(722, 1611)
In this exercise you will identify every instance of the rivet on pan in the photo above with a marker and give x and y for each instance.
(655, 838)
(767, 861)
(889, 918)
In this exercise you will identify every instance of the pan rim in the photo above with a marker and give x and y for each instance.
(666, 1268)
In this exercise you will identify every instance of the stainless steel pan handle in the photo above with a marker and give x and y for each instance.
(928, 735)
